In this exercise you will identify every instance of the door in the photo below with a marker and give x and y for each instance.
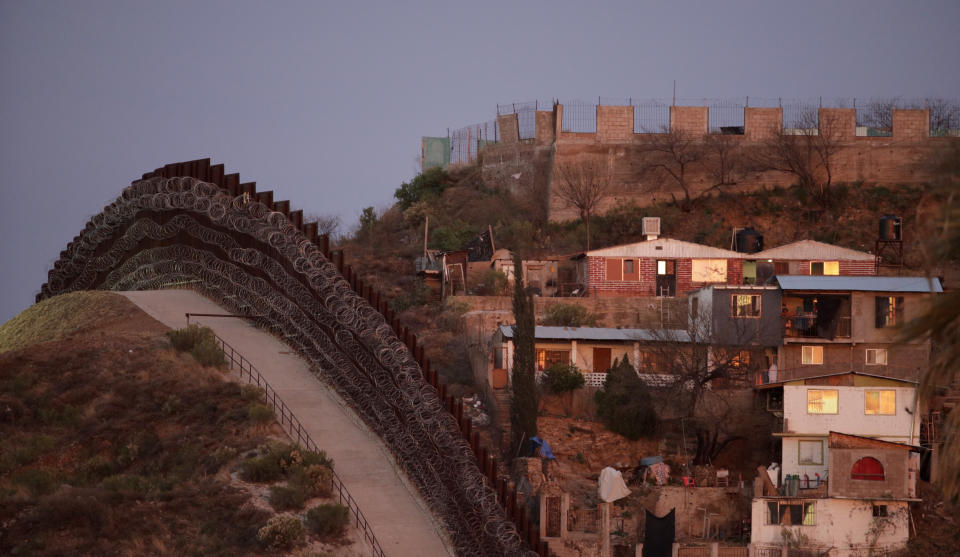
(553, 517)
(666, 278)
(601, 360)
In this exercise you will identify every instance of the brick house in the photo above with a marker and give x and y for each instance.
(807, 257)
(656, 267)
(834, 324)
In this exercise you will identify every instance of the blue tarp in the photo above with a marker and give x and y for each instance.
(543, 447)
(650, 460)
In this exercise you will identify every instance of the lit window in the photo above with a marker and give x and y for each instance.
(709, 270)
(825, 268)
(822, 401)
(876, 356)
(881, 402)
(547, 358)
(889, 311)
(811, 355)
(867, 468)
(745, 305)
(810, 452)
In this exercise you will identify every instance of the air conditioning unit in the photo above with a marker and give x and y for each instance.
(651, 227)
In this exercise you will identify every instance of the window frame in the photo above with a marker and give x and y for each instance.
(542, 362)
(888, 312)
(879, 393)
(814, 350)
(833, 266)
(836, 392)
(734, 305)
(800, 460)
(807, 512)
(881, 477)
(876, 352)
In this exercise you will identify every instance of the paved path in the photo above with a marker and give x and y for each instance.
(399, 517)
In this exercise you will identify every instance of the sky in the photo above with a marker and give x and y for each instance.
(326, 102)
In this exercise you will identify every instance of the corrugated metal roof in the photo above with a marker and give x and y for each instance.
(666, 248)
(601, 333)
(813, 250)
(859, 284)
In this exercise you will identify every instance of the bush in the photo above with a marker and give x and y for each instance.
(278, 460)
(315, 480)
(282, 532)
(328, 519)
(418, 294)
(569, 315)
(494, 283)
(260, 413)
(39, 481)
(200, 342)
(428, 185)
(563, 378)
(251, 393)
(285, 497)
(624, 403)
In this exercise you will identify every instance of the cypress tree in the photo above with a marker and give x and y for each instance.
(523, 402)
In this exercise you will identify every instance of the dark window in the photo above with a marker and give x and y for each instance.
(628, 266)
(879, 510)
(889, 311)
(867, 468)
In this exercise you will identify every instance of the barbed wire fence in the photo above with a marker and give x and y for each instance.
(874, 117)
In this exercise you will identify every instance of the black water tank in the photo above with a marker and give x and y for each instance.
(890, 227)
(749, 240)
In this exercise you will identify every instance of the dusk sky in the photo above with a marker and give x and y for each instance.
(325, 103)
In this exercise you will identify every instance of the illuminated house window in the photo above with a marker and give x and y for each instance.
(867, 468)
(889, 311)
(547, 358)
(881, 402)
(822, 401)
(745, 305)
(709, 270)
(876, 356)
(825, 268)
(811, 355)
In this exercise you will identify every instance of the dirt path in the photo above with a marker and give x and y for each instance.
(399, 518)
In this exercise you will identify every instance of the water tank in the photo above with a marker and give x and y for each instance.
(749, 240)
(890, 227)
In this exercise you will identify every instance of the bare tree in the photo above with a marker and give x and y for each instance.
(670, 156)
(807, 152)
(878, 114)
(699, 368)
(584, 185)
(326, 224)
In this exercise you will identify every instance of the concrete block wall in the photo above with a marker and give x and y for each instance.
(761, 123)
(545, 127)
(509, 128)
(693, 120)
(840, 122)
(614, 124)
(895, 474)
(911, 125)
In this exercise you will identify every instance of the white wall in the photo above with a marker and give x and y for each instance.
(847, 526)
(790, 463)
(851, 416)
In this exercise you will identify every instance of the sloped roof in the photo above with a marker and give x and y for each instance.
(859, 284)
(601, 334)
(813, 250)
(839, 440)
(666, 248)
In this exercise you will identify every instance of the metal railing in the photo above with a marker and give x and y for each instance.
(285, 417)
(806, 327)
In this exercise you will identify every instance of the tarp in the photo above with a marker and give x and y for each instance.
(658, 535)
(612, 486)
(650, 460)
(541, 446)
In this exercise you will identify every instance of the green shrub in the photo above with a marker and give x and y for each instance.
(494, 283)
(183, 340)
(624, 403)
(135, 484)
(282, 532)
(563, 378)
(328, 519)
(208, 353)
(260, 413)
(427, 185)
(277, 460)
(251, 392)
(285, 497)
(569, 315)
(93, 470)
(417, 294)
(316, 480)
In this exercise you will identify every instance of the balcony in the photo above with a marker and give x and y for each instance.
(809, 326)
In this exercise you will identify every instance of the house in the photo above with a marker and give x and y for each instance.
(837, 324)
(592, 349)
(656, 267)
(540, 275)
(807, 257)
(848, 466)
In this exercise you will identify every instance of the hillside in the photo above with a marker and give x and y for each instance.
(116, 444)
